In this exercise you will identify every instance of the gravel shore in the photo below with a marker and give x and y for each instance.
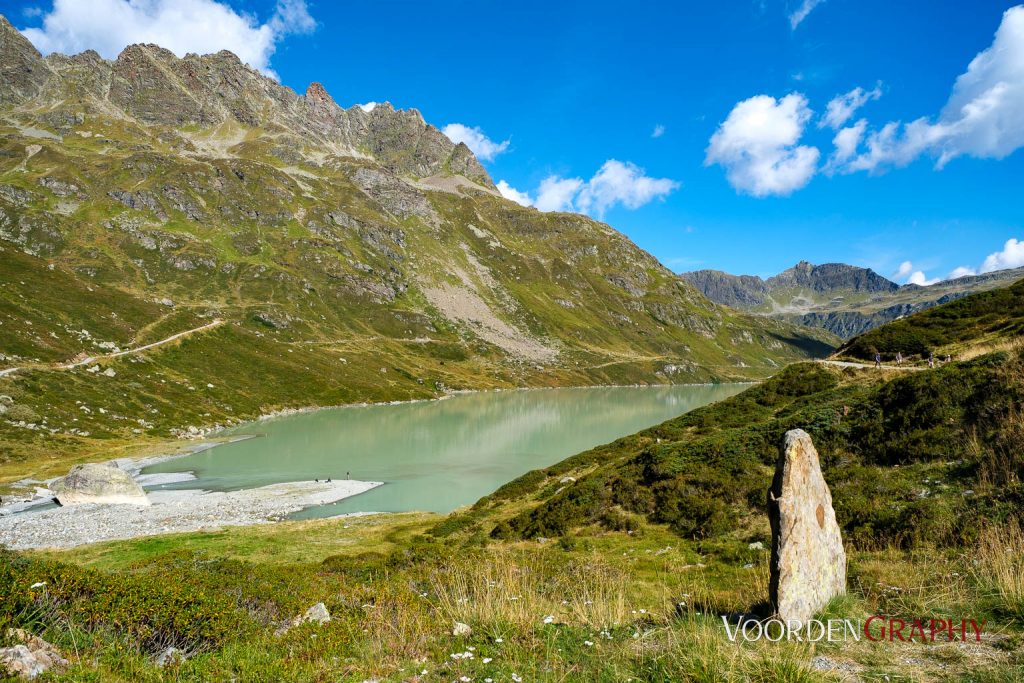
(170, 512)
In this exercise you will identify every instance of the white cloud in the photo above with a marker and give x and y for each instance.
(846, 142)
(1012, 256)
(558, 194)
(801, 12)
(509, 192)
(757, 145)
(658, 131)
(841, 108)
(962, 271)
(984, 116)
(919, 278)
(622, 183)
(482, 146)
(905, 269)
(368, 106)
(181, 26)
(615, 183)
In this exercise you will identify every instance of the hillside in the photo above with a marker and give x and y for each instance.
(845, 300)
(617, 563)
(349, 255)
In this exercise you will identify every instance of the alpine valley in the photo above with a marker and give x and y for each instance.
(293, 253)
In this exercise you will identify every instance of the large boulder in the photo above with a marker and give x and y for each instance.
(98, 483)
(808, 566)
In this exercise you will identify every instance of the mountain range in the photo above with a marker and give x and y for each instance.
(273, 250)
(845, 300)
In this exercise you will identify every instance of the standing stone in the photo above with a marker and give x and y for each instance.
(808, 565)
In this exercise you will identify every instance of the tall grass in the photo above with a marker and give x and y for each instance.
(999, 566)
(522, 589)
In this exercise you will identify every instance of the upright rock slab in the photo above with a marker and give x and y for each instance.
(808, 561)
(101, 483)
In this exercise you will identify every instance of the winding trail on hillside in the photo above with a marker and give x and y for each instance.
(117, 354)
(869, 366)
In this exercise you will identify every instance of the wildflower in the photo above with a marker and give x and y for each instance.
(423, 673)
(588, 643)
(548, 619)
(465, 679)
(488, 660)
(517, 678)
(38, 584)
(499, 640)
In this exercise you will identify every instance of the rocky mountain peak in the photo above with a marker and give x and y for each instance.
(22, 69)
(155, 87)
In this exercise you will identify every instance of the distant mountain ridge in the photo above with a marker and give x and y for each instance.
(843, 299)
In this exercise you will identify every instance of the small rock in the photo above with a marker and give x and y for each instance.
(317, 614)
(109, 372)
(172, 656)
(31, 657)
(460, 629)
(756, 545)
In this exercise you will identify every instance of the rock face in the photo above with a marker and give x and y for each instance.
(808, 566)
(98, 483)
(154, 86)
(32, 657)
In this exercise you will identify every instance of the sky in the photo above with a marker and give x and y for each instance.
(739, 135)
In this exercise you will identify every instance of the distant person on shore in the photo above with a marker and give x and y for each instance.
(348, 475)
(878, 359)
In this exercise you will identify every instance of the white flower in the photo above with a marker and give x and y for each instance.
(488, 660)
(465, 679)
(471, 649)
(499, 640)
(423, 673)
(588, 643)
(548, 619)
(517, 678)
(38, 584)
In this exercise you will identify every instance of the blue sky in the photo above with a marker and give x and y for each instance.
(744, 176)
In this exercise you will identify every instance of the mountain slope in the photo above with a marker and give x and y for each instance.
(352, 256)
(953, 432)
(845, 300)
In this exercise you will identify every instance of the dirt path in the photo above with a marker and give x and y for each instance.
(851, 364)
(118, 354)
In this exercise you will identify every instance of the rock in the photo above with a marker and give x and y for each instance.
(317, 614)
(98, 483)
(460, 629)
(756, 545)
(109, 372)
(172, 656)
(32, 657)
(808, 564)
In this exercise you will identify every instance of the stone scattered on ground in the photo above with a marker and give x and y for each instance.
(170, 512)
(172, 656)
(317, 614)
(808, 564)
(31, 657)
(99, 483)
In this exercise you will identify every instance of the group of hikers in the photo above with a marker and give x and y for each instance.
(899, 359)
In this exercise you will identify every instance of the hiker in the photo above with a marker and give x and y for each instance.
(931, 359)
(348, 475)
(878, 360)
(899, 358)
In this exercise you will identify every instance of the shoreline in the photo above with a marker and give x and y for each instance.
(171, 511)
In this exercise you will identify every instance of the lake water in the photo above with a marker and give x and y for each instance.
(435, 455)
